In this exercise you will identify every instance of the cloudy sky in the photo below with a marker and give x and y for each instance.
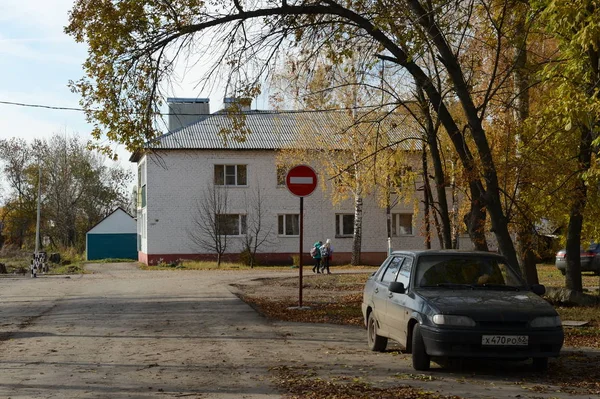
(36, 62)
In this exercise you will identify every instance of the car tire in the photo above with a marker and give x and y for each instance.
(376, 342)
(420, 359)
(540, 363)
(563, 272)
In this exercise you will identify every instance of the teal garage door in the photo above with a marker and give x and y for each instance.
(104, 246)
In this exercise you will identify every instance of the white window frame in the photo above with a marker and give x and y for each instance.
(142, 199)
(282, 224)
(339, 224)
(235, 175)
(399, 230)
(242, 227)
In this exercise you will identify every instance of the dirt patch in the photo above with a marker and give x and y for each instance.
(332, 299)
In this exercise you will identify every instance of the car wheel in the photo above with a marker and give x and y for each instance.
(540, 363)
(563, 272)
(420, 359)
(376, 342)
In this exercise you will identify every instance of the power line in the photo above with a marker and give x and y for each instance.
(262, 112)
(41, 106)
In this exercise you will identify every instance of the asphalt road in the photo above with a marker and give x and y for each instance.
(125, 333)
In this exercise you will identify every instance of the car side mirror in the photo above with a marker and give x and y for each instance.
(538, 289)
(397, 288)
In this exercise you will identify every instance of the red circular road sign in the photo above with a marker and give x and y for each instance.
(301, 180)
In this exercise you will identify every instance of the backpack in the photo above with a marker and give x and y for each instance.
(324, 251)
(313, 251)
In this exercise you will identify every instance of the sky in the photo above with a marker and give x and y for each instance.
(37, 60)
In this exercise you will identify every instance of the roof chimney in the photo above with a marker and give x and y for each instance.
(243, 103)
(186, 111)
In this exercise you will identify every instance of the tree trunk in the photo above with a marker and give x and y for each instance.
(357, 237)
(455, 230)
(439, 175)
(426, 197)
(491, 193)
(526, 252)
(573, 276)
(475, 223)
(525, 232)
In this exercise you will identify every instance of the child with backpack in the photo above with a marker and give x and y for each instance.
(315, 252)
(326, 251)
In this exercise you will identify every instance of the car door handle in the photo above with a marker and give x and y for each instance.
(391, 294)
(376, 290)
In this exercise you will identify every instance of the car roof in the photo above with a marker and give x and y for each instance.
(452, 252)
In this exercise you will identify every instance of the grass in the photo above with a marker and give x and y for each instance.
(21, 264)
(212, 265)
(73, 268)
(207, 265)
(550, 276)
(15, 264)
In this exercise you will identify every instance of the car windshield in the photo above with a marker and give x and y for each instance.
(466, 271)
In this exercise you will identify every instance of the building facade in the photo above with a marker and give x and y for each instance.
(180, 174)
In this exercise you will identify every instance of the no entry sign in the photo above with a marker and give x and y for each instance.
(301, 180)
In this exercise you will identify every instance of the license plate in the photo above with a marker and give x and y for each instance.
(504, 340)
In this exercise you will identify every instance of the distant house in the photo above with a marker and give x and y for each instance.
(175, 171)
(113, 237)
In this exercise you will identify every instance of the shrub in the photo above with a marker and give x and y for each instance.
(11, 251)
(296, 260)
(247, 259)
(70, 255)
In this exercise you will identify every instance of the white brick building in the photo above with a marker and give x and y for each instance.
(185, 163)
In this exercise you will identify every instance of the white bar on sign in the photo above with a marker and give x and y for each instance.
(301, 180)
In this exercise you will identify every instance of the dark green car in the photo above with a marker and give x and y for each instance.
(456, 304)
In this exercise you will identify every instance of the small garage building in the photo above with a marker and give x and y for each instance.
(113, 237)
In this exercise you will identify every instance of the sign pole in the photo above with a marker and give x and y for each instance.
(301, 180)
(301, 250)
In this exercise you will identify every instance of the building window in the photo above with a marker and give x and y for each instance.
(402, 224)
(141, 190)
(230, 175)
(144, 225)
(344, 224)
(231, 225)
(288, 225)
(281, 174)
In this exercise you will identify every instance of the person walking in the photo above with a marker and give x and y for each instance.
(326, 251)
(315, 252)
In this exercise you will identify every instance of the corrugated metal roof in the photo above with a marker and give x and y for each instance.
(288, 130)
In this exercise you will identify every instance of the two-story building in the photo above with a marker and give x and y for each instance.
(204, 152)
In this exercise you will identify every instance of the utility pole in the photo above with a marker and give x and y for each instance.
(36, 255)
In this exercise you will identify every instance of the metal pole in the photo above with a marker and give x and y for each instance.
(37, 225)
(301, 250)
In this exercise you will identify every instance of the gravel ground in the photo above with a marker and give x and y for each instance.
(125, 333)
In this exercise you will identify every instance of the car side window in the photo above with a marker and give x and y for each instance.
(379, 272)
(392, 270)
(405, 270)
